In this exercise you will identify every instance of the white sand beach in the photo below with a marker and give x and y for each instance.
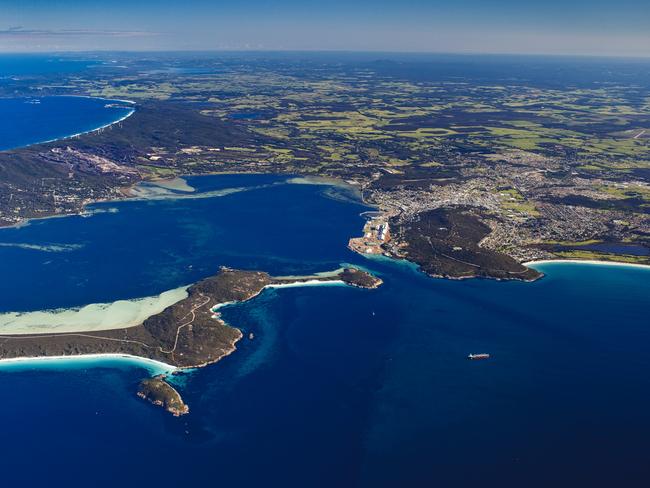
(88, 360)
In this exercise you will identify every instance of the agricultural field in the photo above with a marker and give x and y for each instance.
(536, 162)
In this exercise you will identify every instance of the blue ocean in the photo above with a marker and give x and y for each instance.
(26, 121)
(339, 386)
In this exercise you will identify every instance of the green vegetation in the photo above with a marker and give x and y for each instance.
(156, 171)
(574, 243)
(542, 167)
(601, 256)
(513, 201)
(627, 191)
(332, 118)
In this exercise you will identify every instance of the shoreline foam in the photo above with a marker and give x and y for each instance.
(296, 284)
(160, 367)
(72, 136)
(164, 368)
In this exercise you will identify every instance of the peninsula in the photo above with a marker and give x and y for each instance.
(188, 334)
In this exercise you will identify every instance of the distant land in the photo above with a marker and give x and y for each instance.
(476, 165)
(134, 251)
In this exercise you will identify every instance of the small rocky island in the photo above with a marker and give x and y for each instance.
(160, 393)
(187, 334)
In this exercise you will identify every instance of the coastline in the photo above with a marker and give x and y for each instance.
(90, 131)
(26, 221)
(298, 284)
(416, 268)
(159, 367)
(78, 134)
(216, 315)
(127, 189)
(162, 367)
(586, 261)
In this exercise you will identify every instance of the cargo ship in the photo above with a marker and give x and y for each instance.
(478, 356)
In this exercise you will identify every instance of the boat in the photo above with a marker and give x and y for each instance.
(479, 356)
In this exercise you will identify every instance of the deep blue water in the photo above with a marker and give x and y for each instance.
(340, 386)
(151, 246)
(30, 65)
(25, 121)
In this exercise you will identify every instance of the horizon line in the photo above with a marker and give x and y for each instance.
(644, 57)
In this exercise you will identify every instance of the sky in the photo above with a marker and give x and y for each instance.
(590, 27)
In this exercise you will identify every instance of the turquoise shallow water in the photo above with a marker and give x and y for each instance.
(340, 386)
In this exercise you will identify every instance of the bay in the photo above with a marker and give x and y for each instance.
(340, 386)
